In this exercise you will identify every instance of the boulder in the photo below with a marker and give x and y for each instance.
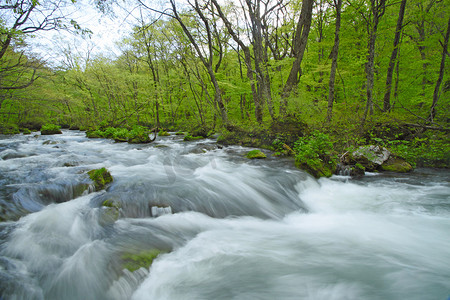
(396, 164)
(373, 158)
(100, 177)
(256, 154)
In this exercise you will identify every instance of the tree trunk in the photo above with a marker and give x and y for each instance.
(248, 61)
(300, 41)
(334, 57)
(206, 63)
(377, 9)
(390, 71)
(441, 74)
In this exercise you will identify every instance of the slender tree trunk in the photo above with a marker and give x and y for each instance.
(390, 71)
(377, 9)
(334, 57)
(206, 63)
(441, 74)
(300, 41)
(248, 62)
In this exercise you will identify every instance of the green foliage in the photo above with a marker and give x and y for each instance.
(138, 135)
(121, 135)
(9, 129)
(315, 154)
(50, 129)
(144, 259)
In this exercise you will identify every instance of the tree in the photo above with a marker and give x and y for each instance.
(441, 73)
(377, 10)
(21, 18)
(387, 94)
(334, 56)
(299, 45)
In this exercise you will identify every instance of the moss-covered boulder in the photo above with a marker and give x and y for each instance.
(100, 177)
(189, 137)
(163, 133)
(135, 261)
(317, 167)
(396, 164)
(49, 129)
(256, 154)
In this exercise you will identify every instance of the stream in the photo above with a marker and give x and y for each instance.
(227, 227)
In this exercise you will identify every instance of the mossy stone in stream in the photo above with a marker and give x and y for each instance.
(163, 133)
(256, 154)
(100, 177)
(144, 259)
(49, 129)
(189, 137)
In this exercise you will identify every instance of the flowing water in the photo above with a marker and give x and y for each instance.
(228, 227)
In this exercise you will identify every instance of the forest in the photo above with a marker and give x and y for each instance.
(262, 73)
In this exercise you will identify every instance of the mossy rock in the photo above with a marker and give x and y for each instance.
(397, 165)
(189, 137)
(256, 154)
(94, 134)
(179, 133)
(163, 133)
(135, 261)
(111, 203)
(25, 131)
(100, 177)
(49, 129)
(317, 167)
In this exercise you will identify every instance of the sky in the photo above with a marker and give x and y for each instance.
(106, 32)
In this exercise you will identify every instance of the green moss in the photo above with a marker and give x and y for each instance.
(133, 261)
(48, 129)
(139, 135)
(94, 134)
(256, 154)
(163, 133)
(111, 203)
(100, 177)
(121, 135)
(25, 130)
(397, 165)
(189, 137)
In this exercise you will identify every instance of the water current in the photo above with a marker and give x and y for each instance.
(228, 227)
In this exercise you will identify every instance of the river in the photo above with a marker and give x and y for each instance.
(228, 227)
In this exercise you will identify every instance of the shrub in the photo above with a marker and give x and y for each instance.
(314, 153)
(121, 135)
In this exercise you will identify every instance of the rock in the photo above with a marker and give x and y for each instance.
(188, 138)
(256, 154)
(163, 133)
(49, 129)
(317, 167)
(100, 177)
(396, 164)
(373, 158)
(370, 157)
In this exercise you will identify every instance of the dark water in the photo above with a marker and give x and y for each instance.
(230, 228)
